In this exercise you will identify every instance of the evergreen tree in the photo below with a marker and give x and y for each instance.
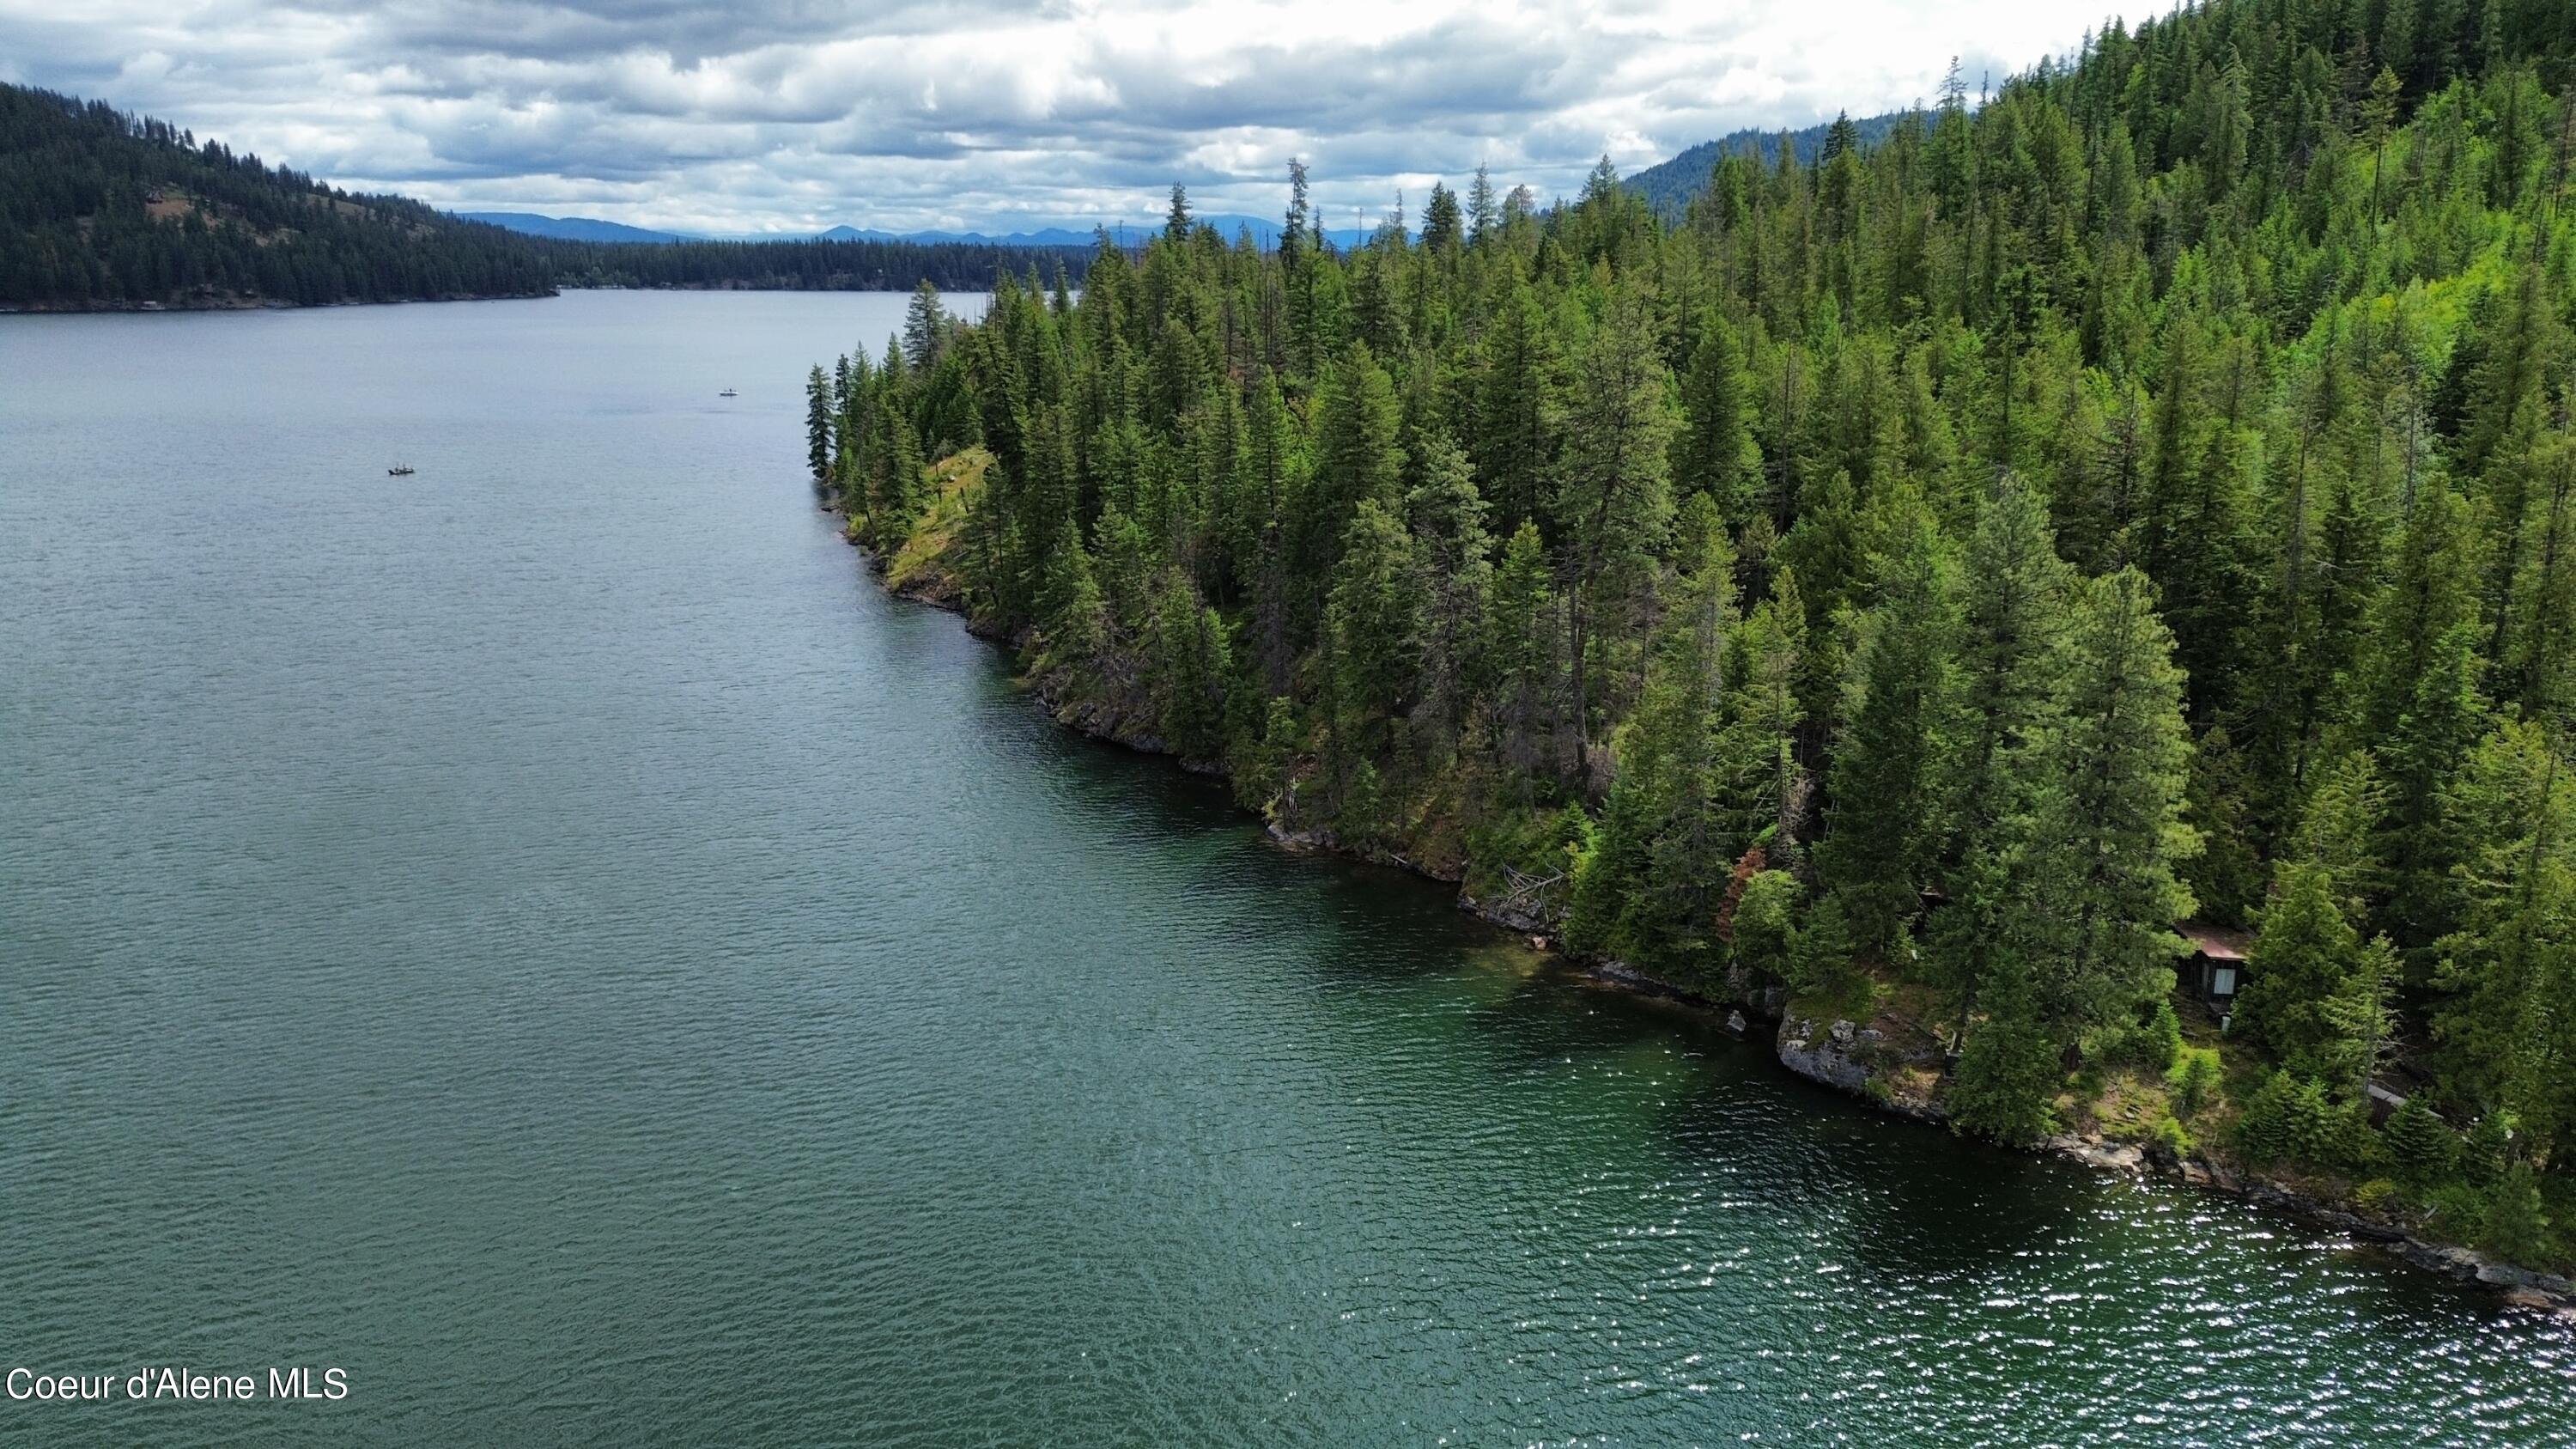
(1375, 626)
(2428, 745)
(1192, 664)
(1442, 226)
(1613, 498)
(1481, 215)
(2420, 1148)
(2340, 833)
(925, 328)
(1668, 824)
(1455, 581)
(1077, 613)
(2014, 602)
(2007, 1079)
(818, 424)
(1522, 659)
(1761, 785)
(1886, 787)
(2312, 998)
(2508, 974)
(1358, 459)
(1713, 452)
(2095, 905)
(1519, 408)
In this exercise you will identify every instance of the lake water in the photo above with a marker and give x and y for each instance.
(548, 938)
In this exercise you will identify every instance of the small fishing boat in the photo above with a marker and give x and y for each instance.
(400, 470)
(728, 392)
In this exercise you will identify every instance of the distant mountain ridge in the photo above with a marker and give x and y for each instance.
(591, 229)
(1668, 186)
(1265, 233)
(570, 228)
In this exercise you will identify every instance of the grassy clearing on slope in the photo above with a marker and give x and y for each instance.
(924, 561)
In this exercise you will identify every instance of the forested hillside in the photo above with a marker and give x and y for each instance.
(101, 208)
(1922, 577)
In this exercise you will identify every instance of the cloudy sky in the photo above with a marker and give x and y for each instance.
(791, 115)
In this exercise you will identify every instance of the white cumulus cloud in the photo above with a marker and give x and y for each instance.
(792, 115)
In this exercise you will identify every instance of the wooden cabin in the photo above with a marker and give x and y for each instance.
(2216, 970)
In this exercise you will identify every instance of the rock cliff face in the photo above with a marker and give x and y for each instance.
(1503, 914)
(1129, 722)
(1888, 1061)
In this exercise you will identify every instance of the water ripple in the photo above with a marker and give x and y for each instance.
(555, 942)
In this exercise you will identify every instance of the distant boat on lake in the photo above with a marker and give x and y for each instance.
(400, 470)
(728, 392)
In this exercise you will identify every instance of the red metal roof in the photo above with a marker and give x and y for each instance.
(2218, 943)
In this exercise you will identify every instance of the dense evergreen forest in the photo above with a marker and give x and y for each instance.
(101, 208)
(802, 266)
(1919, 579)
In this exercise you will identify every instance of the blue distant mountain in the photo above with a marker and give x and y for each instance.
(570, 228)
(1265, 233)
(1053, 236)
(1668, 186)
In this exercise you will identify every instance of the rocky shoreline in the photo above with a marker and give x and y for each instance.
(1870, 1064)
(1866, 1061)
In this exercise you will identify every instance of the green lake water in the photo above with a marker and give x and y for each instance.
(547, 937)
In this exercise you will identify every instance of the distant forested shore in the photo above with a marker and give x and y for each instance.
(2011, 598)
(804, 266)
(104, 211)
